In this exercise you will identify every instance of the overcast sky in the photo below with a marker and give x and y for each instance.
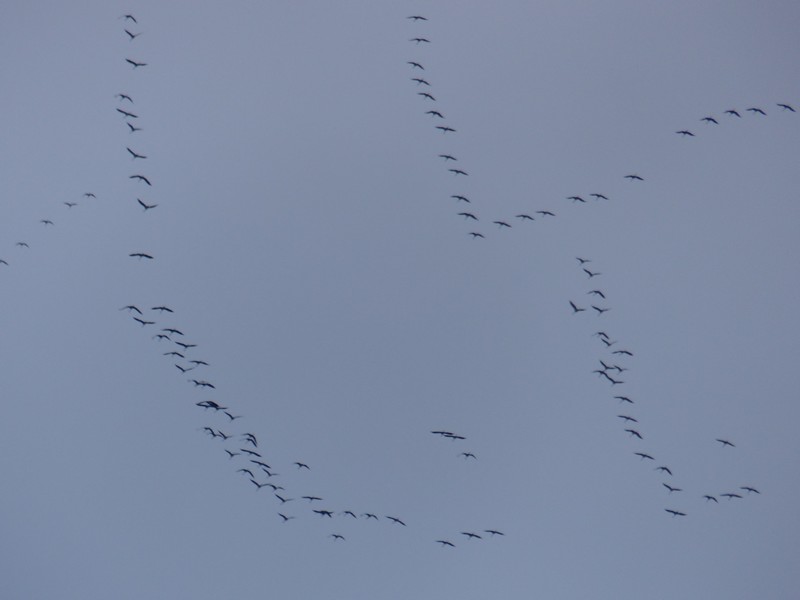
(306, 239)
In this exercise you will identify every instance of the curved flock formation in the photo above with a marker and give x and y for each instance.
(249, 457)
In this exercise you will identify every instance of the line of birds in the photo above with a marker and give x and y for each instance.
(754, 110)
(611, 371)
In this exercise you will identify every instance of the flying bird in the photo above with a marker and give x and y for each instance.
(418, 40)
(143, 322)
(590, 273)
(501, 224)
(730, 496)
(596, 293)
(733, 113)
(725, 443)
(46, 222)
(140, 255)
(133, 128)
(448, 157)
(599, 196)
(132, 36)
(576, 199)
(757, 111)
(643, 455)
(337, 536)
(575, 309)
(524, 217)
(129, 18)
(416, 65)
(141, 178)
(475, 234)
(458, 172)
(445, 543)
(675, 513)
(127, 114)
(395, 520)
(146, 207)
(708, 497)
(634, 177)
(445, 129)
(685, 132)
(124, 97)
(467, 215)
(787, 107)
(435, 113)
(417, 18)
(426, 95)
(664, 470)
(710, 120)
(471, 535)
(70, 204)
(135, 64)
(134, 155)
(22, 245)
(420, 81)
(671, 489)
(749, 489)
(302, 465)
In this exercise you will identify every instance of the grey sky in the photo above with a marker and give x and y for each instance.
(306, 238)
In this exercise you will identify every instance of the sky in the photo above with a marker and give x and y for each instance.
(307, 241)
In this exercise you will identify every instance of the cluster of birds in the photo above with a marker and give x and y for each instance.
(451, 162)
(250, 460)
(735, 114)
(610, 371)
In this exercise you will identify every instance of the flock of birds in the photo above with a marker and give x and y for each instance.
(609, 371)
(248, 456)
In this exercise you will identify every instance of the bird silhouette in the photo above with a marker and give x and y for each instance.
(141, 178)
(725, 443)
(675, 513)
(575, 309)
(733, 113)
(135, 64)
(685, 132)
(134, 156)
(416, 65)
